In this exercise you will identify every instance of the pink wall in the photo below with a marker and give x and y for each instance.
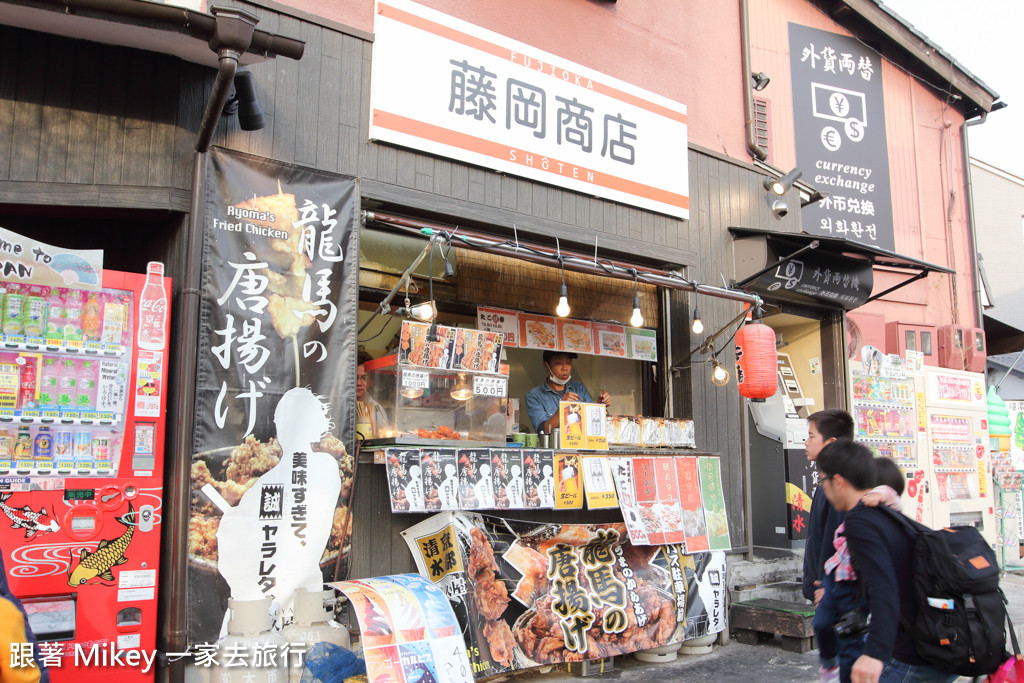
(686, 51)
(925, 167)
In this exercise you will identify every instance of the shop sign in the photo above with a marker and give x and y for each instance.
(816, 279)
(29, 261)
(838, 108)
(447, 87)
(528, 594)
(275, 383)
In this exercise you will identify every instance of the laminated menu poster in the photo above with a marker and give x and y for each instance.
(507, 475)
(622, 473)
(610, 340)
(414, 349)
(584, 426)
(690, 503)
(405, 479)
(538, 332)
(528, 594)
(597, 478)
(575, 336)
(714, 503)
(409, 632)
(440, 478)
(476, 350)
(476, 491)
(568, 481)
(539, 470)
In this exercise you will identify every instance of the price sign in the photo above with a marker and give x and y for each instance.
(414, 379)
(484, 385)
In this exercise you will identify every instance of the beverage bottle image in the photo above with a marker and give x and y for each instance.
(54, 315)
(48, 383)
(27, 385)
(43, 448)
(73, 315)
(67, 394)
(91, 318)
(23, 443)
(152, 309)
(33, 316)
(6, 444)
(14, 305)
(85, 383)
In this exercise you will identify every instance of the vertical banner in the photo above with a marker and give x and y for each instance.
(275, 396)
(838, 106)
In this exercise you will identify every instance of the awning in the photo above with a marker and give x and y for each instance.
(815, 269)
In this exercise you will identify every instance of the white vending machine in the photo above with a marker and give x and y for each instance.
(956, 421)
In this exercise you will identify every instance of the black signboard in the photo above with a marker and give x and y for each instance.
(839, 118)
(816, 279)
(275, 385)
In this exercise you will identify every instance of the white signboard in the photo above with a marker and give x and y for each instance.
(450, 88)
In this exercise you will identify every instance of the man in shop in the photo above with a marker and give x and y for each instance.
(542, 401)
(823, 427)
(882, 553)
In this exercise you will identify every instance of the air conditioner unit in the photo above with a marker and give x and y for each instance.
(962, 348)
(864, 329)
(903, 337)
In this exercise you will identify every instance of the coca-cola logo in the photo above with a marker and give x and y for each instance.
(157, 306)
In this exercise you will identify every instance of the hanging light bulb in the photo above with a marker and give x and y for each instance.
(411, 392)
(424, 311)
(462, 391)
(698, 324)
(637, 319)
(562, 309)
(719, 375)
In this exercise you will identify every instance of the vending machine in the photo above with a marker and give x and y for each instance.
(885, 416)
(82, 405)
(956, 419)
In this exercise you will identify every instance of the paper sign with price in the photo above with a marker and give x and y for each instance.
(490, 386)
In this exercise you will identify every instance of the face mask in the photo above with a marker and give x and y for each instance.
(555, 380)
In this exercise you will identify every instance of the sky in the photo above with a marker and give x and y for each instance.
(983, 37)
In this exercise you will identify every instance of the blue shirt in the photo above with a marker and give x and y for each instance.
(542, 401)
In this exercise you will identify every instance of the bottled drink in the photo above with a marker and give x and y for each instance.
(85, 383)
(43, 447)
(14, 305)
(34, 316)
(91, 318)
(152, 308)
(27, 385)
(67, 375)
(73, 315)
(48, 383)
(54, 315)
(6, 444)
(23, 443)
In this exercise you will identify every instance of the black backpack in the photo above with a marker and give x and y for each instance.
(961, 611)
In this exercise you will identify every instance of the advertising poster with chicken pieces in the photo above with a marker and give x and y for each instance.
(507, 475)
(539, 470)
(405, 479)
(476, 350)
(528, 594)
(440, 479)
(597, 478)
(714, 503)
(476, 490)
(415, 348)
(408, 630)
(274, 413)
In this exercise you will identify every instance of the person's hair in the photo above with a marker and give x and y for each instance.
(833, 423)
(363, 356)
(853, 460)
(888, 473)
(548, 355)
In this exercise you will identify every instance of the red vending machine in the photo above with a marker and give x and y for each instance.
(82, 405)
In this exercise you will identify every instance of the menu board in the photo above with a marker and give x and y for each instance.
(575, 336)
(609, 340)
(455, 349)
(584, 426)
(597, 478)
(548, 333)
(672, 499)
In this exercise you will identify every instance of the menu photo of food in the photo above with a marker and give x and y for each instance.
(474, 471)
(538, 332)
(643, 344)
(667, 507)
(538, 467)
(609, 340)
(405, 481)
(575, 336)
(415, 349)
(713, 498)
(690, 503)
(507, 476)
(440, 478)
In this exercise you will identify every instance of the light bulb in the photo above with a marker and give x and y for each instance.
(411, 392)
(423, 311)
(462, 391)
(637, 319)
(562, 309)
(698, 324)
(719, 375)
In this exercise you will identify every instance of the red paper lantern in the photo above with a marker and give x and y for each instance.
(756, 361)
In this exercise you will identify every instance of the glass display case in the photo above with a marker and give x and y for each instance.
(411, 404)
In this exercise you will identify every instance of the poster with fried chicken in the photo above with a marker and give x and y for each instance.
(440, 479)
(405, 480)
(507, 475)
(530, 594)
(476, 490)
(408, 630)
(538, 468)
(274, 412)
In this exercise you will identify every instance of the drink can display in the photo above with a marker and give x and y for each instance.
(83, 448)
(64, 445)
(101, 450)
(43, 447)
(33, 320)
(14, 305)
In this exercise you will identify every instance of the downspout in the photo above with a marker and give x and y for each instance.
(748, 93)
(969, 191)
(232, 37)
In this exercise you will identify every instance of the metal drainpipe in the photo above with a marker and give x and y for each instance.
(969, 191)
(232, 37)
(748, 95)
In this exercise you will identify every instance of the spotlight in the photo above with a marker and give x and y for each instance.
(719, 375)
(698, 324)
(423, 311)
(779, 208)
(637, 319)
(245, 103)
(760, 80)
(781, 186)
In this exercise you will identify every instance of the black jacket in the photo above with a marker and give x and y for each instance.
(821, 528)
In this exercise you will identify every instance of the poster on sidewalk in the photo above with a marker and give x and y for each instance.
(274, 424)
(529, 594)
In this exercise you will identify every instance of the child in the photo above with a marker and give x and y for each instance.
(843, 594)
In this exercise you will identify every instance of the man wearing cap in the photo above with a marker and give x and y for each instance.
(542, 401)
